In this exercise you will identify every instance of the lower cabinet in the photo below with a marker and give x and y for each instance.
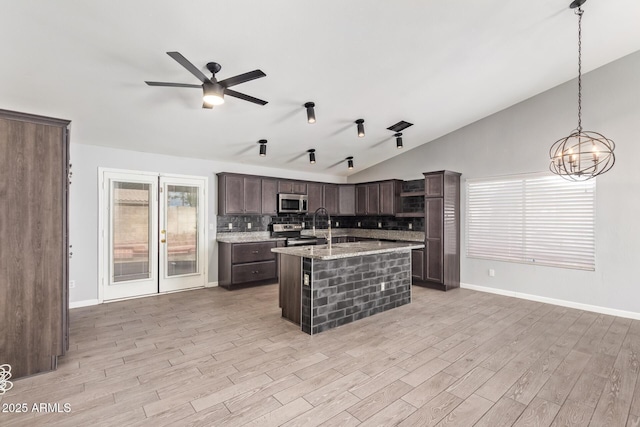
(417, 263)
(246, 263)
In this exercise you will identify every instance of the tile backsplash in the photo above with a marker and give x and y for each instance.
(247, 223)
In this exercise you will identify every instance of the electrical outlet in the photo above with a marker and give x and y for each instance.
(382, 286)
(337, 224)
(72, 284)
(359, 224)
(492, 272)
(230, 226)
(379, 225)
(248, 226)
(302, 223)
(410, 226)
(306, 279)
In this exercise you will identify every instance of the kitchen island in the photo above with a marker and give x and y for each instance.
(322, 287)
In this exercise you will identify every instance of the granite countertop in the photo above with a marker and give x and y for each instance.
(264, 236)
(250, 237)
(346, 250)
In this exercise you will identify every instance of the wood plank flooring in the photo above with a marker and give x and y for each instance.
(212, 357)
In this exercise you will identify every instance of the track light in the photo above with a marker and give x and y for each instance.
(263, 147)
(312, 156)
(360, 123)
(398, 140)
(349, 162)
(311, 114)
(213, 93)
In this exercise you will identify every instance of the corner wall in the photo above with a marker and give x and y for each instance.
(517, 140)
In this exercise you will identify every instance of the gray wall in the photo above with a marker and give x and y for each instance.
(517, 140)
(83, 205)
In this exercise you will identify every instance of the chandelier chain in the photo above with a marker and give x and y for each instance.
(579, 12)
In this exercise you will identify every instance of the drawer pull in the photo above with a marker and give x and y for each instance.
(255, 252)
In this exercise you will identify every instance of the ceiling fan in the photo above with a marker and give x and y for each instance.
(212, 89)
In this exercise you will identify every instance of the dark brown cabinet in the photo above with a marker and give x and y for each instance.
(34, 258)
(246, 263)
(322, 195)
(417, 263)
(441, 267)
(314, 196)
(368, 199)
(330, 198)
(346, 200)
(269, 196)
(292, 187)
(389, 197)
(378, 198)
(239, 194)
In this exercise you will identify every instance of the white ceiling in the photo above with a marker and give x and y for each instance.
(440, 64)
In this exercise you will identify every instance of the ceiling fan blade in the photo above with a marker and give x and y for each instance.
(241, 78)
(189, 66)
(243, 96)
(208, 106)
(173, 84)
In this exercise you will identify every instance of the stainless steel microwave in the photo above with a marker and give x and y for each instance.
(292, 203)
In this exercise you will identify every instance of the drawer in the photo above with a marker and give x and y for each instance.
(255, 271)
(251, 252)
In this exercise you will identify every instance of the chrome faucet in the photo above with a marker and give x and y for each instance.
(328, 220)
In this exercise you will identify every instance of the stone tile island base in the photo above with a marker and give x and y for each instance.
(344, 290)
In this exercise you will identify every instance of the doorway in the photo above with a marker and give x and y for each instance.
(152, 232)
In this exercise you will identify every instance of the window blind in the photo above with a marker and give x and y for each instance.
(536, 219)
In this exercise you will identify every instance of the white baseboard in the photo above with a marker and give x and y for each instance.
(560, 302)
(211, 285)
(85, 303)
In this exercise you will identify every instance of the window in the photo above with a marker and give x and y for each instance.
(534, 219)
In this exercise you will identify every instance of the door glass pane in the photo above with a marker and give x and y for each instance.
(131, 231)
(182, 230)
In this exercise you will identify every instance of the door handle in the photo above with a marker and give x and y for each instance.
(163, 241)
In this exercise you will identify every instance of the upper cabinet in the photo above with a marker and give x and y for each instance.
(378, 198)
(330, 197)
(269, 196)
(314, 196)
(239, 194)
(292, 187)
(322, 195)
(346, 199)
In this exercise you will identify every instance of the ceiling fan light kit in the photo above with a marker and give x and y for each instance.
(213, 90)
(360, 125)
(583, 154)
(311, 113)
(213, 93)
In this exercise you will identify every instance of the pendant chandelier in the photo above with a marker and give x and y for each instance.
(583, 154)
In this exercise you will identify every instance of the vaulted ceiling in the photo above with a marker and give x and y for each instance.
(437, 64)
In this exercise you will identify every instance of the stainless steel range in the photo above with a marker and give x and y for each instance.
(293, 234)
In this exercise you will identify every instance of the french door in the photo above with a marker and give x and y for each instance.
(152, 232)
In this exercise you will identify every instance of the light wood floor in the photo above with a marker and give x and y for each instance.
(217, 358)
